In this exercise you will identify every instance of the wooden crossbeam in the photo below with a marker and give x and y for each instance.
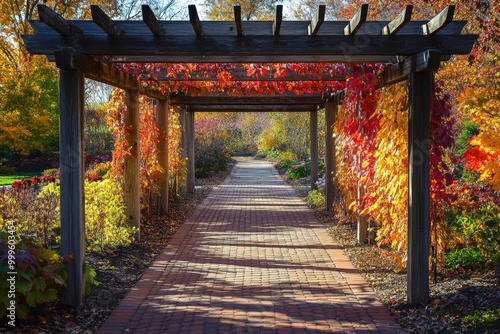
(357, 20)
(68, 59)
(195, 20)
(317, 21)
(439, 21)
(277, 20)
(105, 22)
(252, 49)
(254, 108)
(151, 21)
(422, 62)
(399, 22)
(57, 22)
(284, 99)
(217, 29)
(241, 75)
(237, 21)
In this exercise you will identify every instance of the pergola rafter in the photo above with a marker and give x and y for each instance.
(94, 48)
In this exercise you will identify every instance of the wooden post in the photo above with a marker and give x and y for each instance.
(131, 165)
(162, 123)
(313, 133)
(72, 165)
(420, 90)
(331, 108)
(190, 152)
(182, 122)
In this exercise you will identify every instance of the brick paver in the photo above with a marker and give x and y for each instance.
(251, 259)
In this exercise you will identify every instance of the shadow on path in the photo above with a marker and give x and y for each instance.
(251, 259)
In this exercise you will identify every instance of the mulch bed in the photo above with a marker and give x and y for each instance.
(454, 298)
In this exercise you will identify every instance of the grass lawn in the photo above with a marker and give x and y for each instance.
(6, 180)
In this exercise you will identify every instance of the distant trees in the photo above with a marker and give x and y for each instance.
(29, 84)
(250, 9)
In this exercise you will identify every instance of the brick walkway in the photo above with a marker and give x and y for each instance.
(251, 259)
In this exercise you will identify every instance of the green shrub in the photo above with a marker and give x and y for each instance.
(37, 214)
(213, 158)
(299, 170)
(40, 274)
(286, 156)
(477, 228)
(273, 154)
(105, 221)
(316, 199)
(469, 130)
(483, 319)
(465, 258)
(90, 281)
(4, 170)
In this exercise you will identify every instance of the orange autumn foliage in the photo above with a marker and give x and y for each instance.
(150, 169)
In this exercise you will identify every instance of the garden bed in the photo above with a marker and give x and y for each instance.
(460, 302)
(117, 271)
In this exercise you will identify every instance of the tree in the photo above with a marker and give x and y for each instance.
(288, 131)
(250, 9)
(164, 9)
(28, 84)
(28, 108)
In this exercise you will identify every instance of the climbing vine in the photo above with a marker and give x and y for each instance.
(390, 208)
(150, 169)
(356, 128)
(372, 157)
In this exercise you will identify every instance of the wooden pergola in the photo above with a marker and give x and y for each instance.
(94, 48)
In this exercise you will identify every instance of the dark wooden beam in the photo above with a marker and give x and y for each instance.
(105, 22)
(439, 21)
(131, 165)
(163, 180)
(237, 21)
(252, 28)
(357, 20)
(254, 108)
(277, 20)
(190, 182)
(247, 100)
(253, 48)
(331, 109)
(72, 171)
(182, 187)
(99, 71)
(428, 60)
(57, 22)
(317, 21)
(241, 75)
(151, 21)
(254, 58)
(399, 22)
(313, 135)
(420, 97)
(195, 20)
